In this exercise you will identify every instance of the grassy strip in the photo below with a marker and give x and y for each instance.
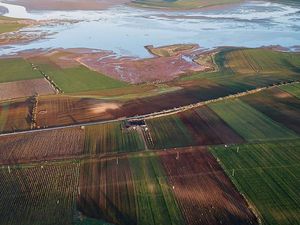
(248, 122)
(16, 69)
(111, 137)
(268, 175)
(155, 200)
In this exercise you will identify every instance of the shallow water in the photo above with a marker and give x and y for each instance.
(125, 30)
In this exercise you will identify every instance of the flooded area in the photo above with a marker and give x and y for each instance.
(127, 30)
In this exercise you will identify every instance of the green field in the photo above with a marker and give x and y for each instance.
(111, 137)
(169, 132)
(16, 69)
(293, 89)
(156, 203)
(79, 79)
(248, 122)
(268, 175)
(246, 69)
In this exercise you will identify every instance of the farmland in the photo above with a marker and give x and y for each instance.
(43, 145)
(14, 116)
(279, 105)
(14, 69)
(64, 110)
(77, 78)
(169, 132)
(267, 174)
(292, 89)
(112, 137)
(38, 195)
(25, 88)
(248, 122)
(147, 189)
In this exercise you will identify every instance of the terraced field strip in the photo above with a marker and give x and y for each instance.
(279, 105)
(38, 195)
(112, 137)
(293, 89)
(249, 123)
(268, 175)
(16, 69)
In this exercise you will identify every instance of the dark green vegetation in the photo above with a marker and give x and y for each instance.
(112, 137)
(17, 69)
(268, 175)
(249, 123)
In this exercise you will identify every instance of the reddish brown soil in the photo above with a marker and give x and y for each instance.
(24, 88)
(204, 193)
(134, 70)
(208, 128)
(18, 116)
(41, 146)
(107, 191)
(61, 110)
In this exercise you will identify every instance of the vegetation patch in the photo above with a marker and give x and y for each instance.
(169, 132)
(267, 174)
(248, 122)
(293, 89)
(17, 69)
(79, 78)
(111, 137)
(38, 195)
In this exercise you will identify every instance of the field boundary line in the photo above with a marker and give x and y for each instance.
(156, 114)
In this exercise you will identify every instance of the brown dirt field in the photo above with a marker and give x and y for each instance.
(41, 146)
(107, 191)
(17, 117)
(204, 193)
(25, 88)
(62, 110)
(67, 4)
(208, 128)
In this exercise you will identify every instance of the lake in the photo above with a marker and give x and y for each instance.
(126, 30)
